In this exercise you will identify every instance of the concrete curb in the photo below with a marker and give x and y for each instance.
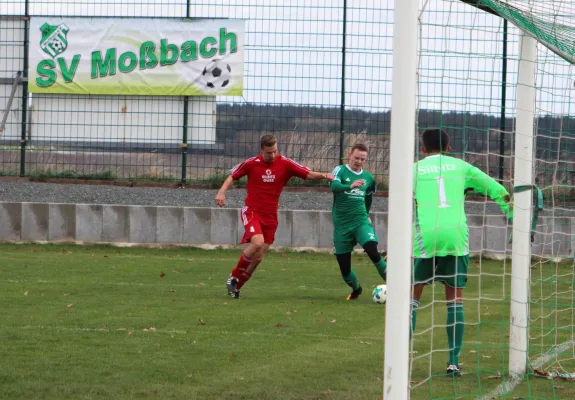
(298, 230)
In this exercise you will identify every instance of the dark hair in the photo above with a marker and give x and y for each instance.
(359, 146)
(268, 141)
(435, 140)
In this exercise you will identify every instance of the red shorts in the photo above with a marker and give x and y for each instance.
(258, 224)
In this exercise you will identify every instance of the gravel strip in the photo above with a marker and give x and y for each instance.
(153, 196)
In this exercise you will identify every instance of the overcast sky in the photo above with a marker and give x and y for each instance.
(294, 49)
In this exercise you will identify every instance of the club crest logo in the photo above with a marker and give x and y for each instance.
(54, 40)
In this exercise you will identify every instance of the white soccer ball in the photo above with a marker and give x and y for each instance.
(217, 75)
(379, 294)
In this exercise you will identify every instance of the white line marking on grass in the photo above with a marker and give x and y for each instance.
(509, 386)
(183, 332)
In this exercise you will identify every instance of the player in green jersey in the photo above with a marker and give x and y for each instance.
(440, 232)
(353, 189)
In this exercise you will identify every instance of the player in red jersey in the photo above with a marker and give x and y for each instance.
(267, 174)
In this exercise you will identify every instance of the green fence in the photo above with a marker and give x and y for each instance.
(316, 76)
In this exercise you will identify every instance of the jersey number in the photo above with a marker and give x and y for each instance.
(442, 196)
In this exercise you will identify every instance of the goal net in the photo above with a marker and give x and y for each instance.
(474, 64)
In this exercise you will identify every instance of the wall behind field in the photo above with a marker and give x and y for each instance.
(214, 227)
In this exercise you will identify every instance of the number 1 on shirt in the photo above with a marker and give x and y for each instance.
(442, 196)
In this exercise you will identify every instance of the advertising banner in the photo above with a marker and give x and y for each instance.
(159, 57)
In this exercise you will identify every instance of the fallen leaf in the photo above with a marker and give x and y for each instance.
(117, 251)
(69, 252)
(472, 351)
(202, 322)
(201, 284)
(66, 294)
(104, 326)
(319, 321)
(152, 328)
(284, 255)
(145, 330)
(279, 326)
(366, 342)
(325, 392)
(120, 329)
(318, 313)
(233, 355)
(33, 250)
(190, 375)
(25, 293)
(191, 260)
(485, 356)
(157, 344)
(332, 321)
(172, 291)
(105, 256)
(176, 271)
(70, 305)
(130, 332)
(210, 278)
(162, 275)
(225, 302)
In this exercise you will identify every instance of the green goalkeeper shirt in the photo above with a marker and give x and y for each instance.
(351, 206)
(440, 226)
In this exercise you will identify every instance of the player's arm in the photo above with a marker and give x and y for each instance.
(336, 185)
(236, 173)
(482, 183)
(302, 172)
(221, 196)
(312, 175)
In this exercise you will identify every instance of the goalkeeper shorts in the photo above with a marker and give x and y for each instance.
(449, 270)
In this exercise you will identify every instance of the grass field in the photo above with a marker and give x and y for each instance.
(101, 322)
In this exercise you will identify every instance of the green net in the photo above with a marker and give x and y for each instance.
(467, 68)
(550, 22)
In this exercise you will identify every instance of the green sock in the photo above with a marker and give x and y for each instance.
(414, 307)
(351, 280)
(381, 266)
(455, 327)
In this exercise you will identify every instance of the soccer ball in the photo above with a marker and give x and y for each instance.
(217, 74)
(379, 294)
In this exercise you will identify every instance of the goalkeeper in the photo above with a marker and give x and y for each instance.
(353, 190)
(440, 232)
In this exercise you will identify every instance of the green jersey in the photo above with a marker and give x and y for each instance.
(440, 183)
(351, 206)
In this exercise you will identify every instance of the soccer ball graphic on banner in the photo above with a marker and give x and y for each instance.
(379, 294)
(217, 75)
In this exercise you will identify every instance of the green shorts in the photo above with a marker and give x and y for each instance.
(345, 239)
(449, 270)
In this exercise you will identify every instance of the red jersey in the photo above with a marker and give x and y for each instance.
(267, 180)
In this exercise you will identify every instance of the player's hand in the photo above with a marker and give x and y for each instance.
(221, 199)
(329, 177)
(358, 183)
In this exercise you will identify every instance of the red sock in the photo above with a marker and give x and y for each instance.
(239, 271)
(242, 281)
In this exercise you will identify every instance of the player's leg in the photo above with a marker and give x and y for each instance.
(268, 226)
(454, 275)
(348, 275)
(368, 240)
(254, 236)
(344, 241)
(423, 273)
